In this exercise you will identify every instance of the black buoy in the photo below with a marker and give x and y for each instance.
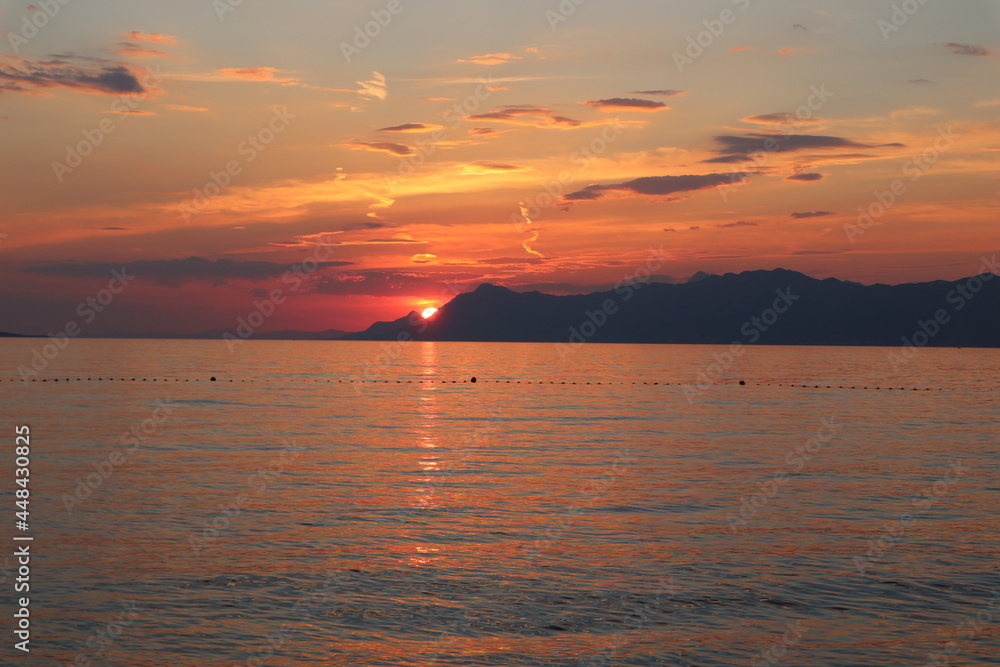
(742, 383)
(213, 379)
(473, 379)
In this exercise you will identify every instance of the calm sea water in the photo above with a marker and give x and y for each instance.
(285, 515)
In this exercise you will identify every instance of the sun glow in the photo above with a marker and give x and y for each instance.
(428, 312)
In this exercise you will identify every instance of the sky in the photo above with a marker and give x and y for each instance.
(173, 167)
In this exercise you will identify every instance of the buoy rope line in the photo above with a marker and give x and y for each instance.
(475, 380)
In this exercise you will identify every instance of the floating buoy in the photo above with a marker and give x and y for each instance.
(213, 379)
(742, 383)
(473, 380)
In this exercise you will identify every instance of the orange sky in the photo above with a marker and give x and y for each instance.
(212, 153)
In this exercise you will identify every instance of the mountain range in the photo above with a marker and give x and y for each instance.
(777, 307)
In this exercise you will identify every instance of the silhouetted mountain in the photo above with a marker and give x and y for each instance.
(778, 307)
(413, 324)
(4, 334)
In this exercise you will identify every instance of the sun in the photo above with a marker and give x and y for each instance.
(428, 312)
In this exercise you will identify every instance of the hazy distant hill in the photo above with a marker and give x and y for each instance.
(723, 309)
(329, 334)
(4, 334)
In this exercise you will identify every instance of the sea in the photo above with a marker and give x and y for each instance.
(369, 504)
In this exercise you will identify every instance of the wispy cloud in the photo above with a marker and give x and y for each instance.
(780, 118)
(658, 186)
(534, 117)
(176, 272)
(411, 127)
(491, 59)
(31, 76)
(384, 146)
(805, 177)
(664, 93)
(626, 104)
(812, 214)
(149, 37)
(375, 88)
(967, 49)
(268, 74)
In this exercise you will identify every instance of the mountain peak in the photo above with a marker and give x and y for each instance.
(698, 277)
(488, 288)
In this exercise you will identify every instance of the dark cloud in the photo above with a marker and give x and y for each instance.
(410, 127)
(390, 282)
(967, 49)
(812, 214)
(494, 166)
(483, 131)
(527, 115)
(805, 178)
(626, 103)
(386, 146)
(664, 93)
(799, 26)
(780, 118)
(738, 223)
(502, 261)
(737, 149)
(659, 186)
(819, 252)
(175, 272)
(566, 289)
(759, 142)
(729, 159)
(28, 76)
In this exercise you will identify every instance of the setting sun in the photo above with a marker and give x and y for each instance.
(428, 312)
